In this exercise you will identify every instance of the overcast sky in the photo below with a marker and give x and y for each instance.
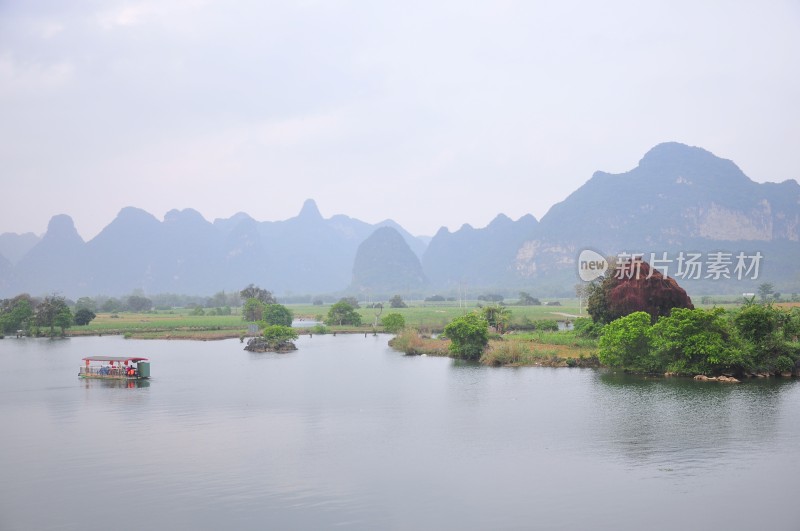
(429, 113)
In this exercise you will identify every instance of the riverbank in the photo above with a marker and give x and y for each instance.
(553, 349)
(539, 348)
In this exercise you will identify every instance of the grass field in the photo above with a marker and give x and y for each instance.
(517, 348)
(434, 316)
(181, 324)
(176, 324)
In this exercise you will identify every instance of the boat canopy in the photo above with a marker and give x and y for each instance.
(113, 358)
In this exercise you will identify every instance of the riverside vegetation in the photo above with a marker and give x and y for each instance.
(750, 339)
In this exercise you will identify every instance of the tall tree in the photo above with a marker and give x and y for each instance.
(765, 290)
(497, 316)
(253, 310)
(53, 312)
(254, 292)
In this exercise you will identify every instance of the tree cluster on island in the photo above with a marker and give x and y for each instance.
(647, 324)
(274, 320)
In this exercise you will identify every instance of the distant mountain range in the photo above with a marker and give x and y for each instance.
(678, 201)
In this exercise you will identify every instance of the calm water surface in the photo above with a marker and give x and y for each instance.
(347, 434)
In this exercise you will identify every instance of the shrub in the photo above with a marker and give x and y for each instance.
(507, 353)
(84, 316)
(393, 322)
(625, 343)
(469, 335)
(547, 325)
(756, 322)
(783, 364)
(585, 327)
(408, 341)
(279, 334)
(699, 341)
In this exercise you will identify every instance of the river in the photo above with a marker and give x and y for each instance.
(346, 433)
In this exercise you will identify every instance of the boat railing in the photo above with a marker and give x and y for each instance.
(104, 371)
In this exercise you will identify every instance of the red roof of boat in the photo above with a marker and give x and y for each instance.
(112, 358)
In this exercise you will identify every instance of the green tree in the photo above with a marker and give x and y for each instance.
(757, 322)
(84, 316)
(277, 314)
(791, 327)
(254, 292)
(393, 322)
(469, 335)
(397, 302)
(585, 327)
(86, 302)
(138, 303)
(53, 312)
(525, 299)
(697, 341)
(111, 305)
(253, 310)
(352, 301)
(625, 343)
(765, 290)
(16, 314)
(597, 304)
(221, 299)
(343, 313)
(497, 316)
(547, 325)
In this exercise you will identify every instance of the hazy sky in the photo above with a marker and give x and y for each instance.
(429, 113)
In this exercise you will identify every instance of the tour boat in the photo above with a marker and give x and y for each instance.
(115, 368)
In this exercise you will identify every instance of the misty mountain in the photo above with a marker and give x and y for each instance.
(56, 261)
(476, 257)
(120, 258)
(677, 199)
(385, 266)
(185, 253)
(14, 246)
(7, 280)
